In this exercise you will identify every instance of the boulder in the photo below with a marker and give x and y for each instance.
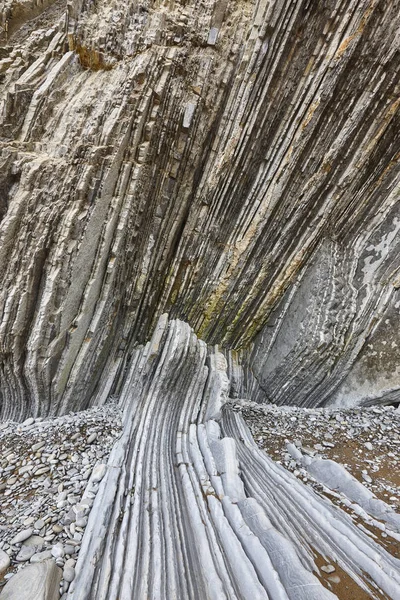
(40, 581)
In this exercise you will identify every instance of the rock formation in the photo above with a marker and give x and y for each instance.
(231, 163)
(220, 178)
(190, 508)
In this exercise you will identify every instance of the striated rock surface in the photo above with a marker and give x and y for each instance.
(189, 507)
(232, 163)
(186, 505)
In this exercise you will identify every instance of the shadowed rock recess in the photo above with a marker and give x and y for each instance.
(220, 177)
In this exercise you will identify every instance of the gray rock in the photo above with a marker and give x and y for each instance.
(98, 473)
(328, 568)
(4, 561)
(58, 550)
(39, 581)
(69, 549)
(38, 446)
(69, 573)
(41, 556)
(70, 563)
(21, 536)
(34, 540)
(25, 553)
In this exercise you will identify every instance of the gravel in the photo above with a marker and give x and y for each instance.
(50, 471)
(366, 440)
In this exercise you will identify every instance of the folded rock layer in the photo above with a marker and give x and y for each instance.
(189, 507)
(232, 163)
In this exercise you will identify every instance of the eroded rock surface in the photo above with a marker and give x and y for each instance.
(233, 163)
(199, 511)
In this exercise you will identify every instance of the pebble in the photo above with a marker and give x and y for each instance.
(41, 556)
(21, 536)
(69, 574)
(42, 470)
(34, 540)
(328, 568)
(98, 473)
(37, 446)
(39, 524)
(58, 551)
(57, 528)
(25, 553)
(366, 477)
(4, 561)
(70, 562)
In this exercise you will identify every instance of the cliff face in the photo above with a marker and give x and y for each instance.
(232, 163)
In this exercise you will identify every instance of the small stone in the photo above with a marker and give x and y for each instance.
(4, 561)
(37, 446)
(41, 471)
(39, 524)
(69, 574)
(57, 528)
(41, 556)
(25, 553)
(92, 438)
(34, 540)
(21, 536)
(98, 473)
(28, 422)
(328, 568)
(70, 562)
(58, 551)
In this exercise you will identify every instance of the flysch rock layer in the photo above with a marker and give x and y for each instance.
(189, 507)
(232, 163)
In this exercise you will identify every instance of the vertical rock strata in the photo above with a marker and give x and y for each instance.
(232, 163)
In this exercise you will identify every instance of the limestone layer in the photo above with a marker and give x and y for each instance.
(189, 507)
(232, 163)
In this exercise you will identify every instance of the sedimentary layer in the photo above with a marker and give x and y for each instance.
(232, 163)
(189, 507)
